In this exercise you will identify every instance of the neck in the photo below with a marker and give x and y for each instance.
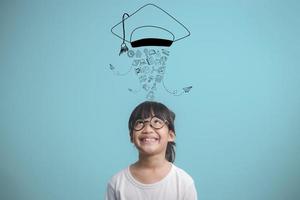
(153, 162)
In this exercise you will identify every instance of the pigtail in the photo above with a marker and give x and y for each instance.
(170, 152)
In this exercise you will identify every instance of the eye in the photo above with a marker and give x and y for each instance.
(157, 121)
(139, 121)
(138, 125)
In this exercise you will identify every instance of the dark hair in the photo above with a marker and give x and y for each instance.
(149, 108)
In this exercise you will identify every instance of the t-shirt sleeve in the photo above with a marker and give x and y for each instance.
(110, 193)
(190, 192)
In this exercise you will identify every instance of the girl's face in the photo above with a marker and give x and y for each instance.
(153, 136)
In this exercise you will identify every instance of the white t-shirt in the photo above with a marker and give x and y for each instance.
(176, 185)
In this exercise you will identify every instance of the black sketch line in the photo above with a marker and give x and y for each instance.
(176, 92)
(112, 68)
(134, 90)
(151, 41)
(123, 48)
(149, 66)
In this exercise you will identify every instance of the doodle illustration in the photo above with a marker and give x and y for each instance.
(150, 31)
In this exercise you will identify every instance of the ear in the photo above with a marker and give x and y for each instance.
(172, 136)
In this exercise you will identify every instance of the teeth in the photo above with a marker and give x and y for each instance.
(149, 139)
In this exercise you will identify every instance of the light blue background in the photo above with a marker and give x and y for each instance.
(63, 114)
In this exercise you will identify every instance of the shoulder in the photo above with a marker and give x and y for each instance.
(185, 184)
(182, 175)
(118, 178)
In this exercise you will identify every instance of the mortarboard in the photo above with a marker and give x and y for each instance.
(150, 25)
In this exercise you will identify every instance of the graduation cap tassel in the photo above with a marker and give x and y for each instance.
(124, 48)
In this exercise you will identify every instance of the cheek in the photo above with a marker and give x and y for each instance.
(165, 134)
(134, 136)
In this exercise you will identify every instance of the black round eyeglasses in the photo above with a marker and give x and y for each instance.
(155, 123)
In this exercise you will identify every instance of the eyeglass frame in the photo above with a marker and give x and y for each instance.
(149, 121)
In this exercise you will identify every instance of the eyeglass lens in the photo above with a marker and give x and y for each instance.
(155, 122)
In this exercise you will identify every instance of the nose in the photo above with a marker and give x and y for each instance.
(147, 127)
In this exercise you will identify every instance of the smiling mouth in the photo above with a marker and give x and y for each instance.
(149, 140)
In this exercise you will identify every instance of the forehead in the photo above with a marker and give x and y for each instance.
(149, 118)
(147, 114)
(148, 110)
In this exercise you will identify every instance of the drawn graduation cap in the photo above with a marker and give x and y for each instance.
(150, 25)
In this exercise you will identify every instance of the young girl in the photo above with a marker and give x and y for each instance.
(153, 176)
